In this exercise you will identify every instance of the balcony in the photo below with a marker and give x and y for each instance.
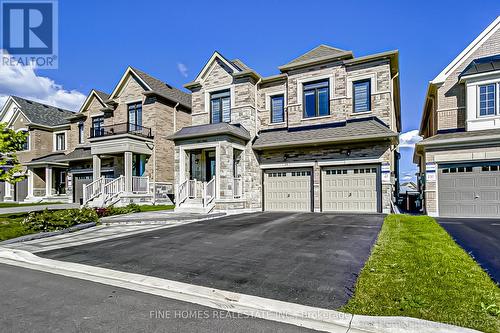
(121, 128)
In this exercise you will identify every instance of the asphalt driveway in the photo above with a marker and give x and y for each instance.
(479, 237)
(306, 258)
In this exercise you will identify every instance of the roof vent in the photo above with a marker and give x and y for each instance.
(29, 102)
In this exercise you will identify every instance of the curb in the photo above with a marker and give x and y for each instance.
(254, 306)
(41, 235)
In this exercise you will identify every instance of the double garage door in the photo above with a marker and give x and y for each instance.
(343, 189)
(469, 190)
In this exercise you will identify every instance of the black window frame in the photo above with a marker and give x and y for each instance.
(134, 107)
(63, 142)
(316, 98)
(282, 96)
(224, 94)
(98, 130)
(81, 133)
(369, 97)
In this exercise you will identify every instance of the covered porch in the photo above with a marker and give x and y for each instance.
(47, 182)
(209, 171)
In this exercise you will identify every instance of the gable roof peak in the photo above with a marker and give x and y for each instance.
(320, 52)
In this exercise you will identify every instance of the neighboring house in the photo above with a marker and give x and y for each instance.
(114, 150)
(459, 158)
(321, 135)
(48, 130)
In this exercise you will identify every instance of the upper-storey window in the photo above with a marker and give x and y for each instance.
(97, 126)
(220, 107)
(487, 99)
(60, 141)
(135, 116)
(277, 109)
(26, 144)
(316, 99)
(361, 96)
(81, 132)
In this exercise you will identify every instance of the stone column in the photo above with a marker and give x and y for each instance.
(128, 172)
(9, 196)
(48, 181)
(31, 182)
(96, 167)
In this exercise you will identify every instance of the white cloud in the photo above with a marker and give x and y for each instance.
(408, 139)
(182, 69)
(22, 81)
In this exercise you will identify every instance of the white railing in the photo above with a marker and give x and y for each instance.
(93, 190)
(183, 192)
(192, 188)
(113, 187)
(140, 184)
(209, 192)
(237, 187)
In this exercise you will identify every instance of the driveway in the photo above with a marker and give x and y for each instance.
(307, 258)
(479, 237)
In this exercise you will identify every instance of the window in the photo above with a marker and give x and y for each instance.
(81, 133)
(135, 116)
(26, 145)
(277, 109)
(316, 99)
(361, 96)
(487, 98)
(97, 126)
(220, 107)
(60, 141)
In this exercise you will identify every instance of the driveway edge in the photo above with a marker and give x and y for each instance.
(41, 235)
(290, 313)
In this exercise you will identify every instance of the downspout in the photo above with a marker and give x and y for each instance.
(175, 116)
(256, 107)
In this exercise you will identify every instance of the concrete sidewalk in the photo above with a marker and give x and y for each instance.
(27, 209)
(156, 217)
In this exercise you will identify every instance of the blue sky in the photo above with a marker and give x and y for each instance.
(173, 40)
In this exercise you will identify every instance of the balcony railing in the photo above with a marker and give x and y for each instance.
(121, 128)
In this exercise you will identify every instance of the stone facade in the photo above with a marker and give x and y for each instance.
(250, 108)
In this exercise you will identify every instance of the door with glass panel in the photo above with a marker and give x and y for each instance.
(135, 117)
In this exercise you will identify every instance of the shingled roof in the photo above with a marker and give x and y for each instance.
(358, 130)
(197, 131)
(43, 114)
(164, 89)
(102, 95)
(321, 52)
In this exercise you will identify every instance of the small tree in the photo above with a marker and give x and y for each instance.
(10, 143)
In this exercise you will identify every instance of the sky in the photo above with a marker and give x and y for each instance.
(172, 40)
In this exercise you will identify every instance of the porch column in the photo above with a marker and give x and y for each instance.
(128, 172)
(96, 167)
(9, 195)
(48, 181)
(30, 183)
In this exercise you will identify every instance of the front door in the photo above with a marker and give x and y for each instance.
(210, 160)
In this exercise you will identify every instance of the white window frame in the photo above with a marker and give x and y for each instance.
(300, 89)
(81, 139)
(472, 101)
(350, 87)
(54, 136)
(478, 100)
(28, 138)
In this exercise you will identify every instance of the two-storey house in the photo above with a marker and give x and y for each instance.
(321, 135)
(459, 158)
(114, 150)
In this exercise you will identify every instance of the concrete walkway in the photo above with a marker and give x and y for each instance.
(156, 217)
(27, 209)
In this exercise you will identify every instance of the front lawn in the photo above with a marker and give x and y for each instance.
(151, 208)
(11, 226)
(15, 204)
(417, 270)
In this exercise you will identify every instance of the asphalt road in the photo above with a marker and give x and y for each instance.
(307, 258)
(33, 301)
(479, 237)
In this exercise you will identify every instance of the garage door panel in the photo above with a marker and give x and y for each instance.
(287, 190)
(469, 191)
(349, 188)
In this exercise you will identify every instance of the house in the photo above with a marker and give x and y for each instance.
(459, 158)
(321, 135)
(114, 150)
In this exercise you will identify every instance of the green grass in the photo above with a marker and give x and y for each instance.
(417, 270)
(11, 227)
(15, 204)
(148, 208)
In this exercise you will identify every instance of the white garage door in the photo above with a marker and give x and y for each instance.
(350, 188)
(469, 190)
(287, 190)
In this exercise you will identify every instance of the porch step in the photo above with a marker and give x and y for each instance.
(192, 207)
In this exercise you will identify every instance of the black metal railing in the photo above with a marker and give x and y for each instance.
(122, 128)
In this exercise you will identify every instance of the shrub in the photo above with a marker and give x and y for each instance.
(112, 210)
(60, 219)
